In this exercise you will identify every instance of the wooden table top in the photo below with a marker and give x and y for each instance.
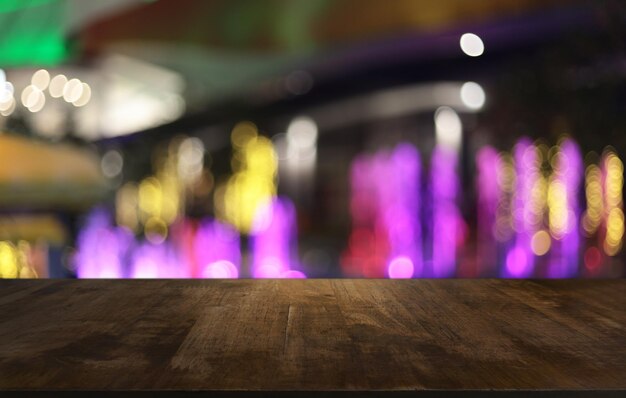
(313, 335)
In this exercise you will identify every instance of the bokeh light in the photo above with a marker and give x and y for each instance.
(73, 90)
(540, 243)
(613, 172)
(473, 95)
(430, 143)
(400, 268)
(221, 269)
(254, 180)
(112, 163)
(448, 128)
(57, 85)
(274, 239)
(472, 45)
(41, 79)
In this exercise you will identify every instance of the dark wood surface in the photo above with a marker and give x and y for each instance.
(313, 335)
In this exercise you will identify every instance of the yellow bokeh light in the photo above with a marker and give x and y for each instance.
(242, 133)
(613, 169)
(178, 167)
(557, 208)
(171, 193)
(594, 196)
(506, 176)
(15, 260)
(8, 261)
(126, 206)
(540, 243)
(254, 182)
(155, 230)
(150, 197)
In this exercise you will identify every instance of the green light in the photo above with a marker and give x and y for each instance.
(48, 50)
(16, 5)
(32, 35)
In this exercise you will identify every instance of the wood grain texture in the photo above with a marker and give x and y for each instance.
(315, 335)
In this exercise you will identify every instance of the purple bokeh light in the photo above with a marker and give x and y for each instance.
(520, 260)
(273, 240)
(446, 215)
(488, 196)
(569, 172)
(217, 250)
(102, 248)
(157, 261)
(400, 268)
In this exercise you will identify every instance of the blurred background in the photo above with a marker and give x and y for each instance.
(312, 138)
